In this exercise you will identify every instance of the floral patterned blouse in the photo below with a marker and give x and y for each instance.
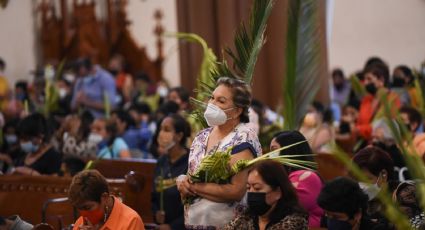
(199, 215)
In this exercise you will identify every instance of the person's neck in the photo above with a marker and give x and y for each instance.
(175, 153)
(227, 127)
(263, 221)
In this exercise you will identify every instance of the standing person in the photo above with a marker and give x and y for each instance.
(307, 183)
(89, 194)
(227, 115)
(272, 201)
(173, 134)
(93, 86)
(123, 80)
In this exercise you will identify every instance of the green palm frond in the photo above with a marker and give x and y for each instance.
(249, 41)
(357, 86)
(300, 84)
(206, 80)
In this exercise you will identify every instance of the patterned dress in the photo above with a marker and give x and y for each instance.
(290, 222)
(206, 214)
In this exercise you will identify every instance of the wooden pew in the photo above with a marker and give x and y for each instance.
(26, 195)
(139, 175)
(329, 167)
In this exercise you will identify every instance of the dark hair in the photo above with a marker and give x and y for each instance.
(34, 125)
(413, 115)
(338, 72)
(180, 126)
(182, 92)
(375, 160)
(241, 95)
(407, 72)
(141, 108)
(2, 221)
(86, 119)
(380, 70)
(88, 185)
(373, 61)
(125, 117)
(343, 195)
(274, 174)
(286, 138)
(142, 76)
(2, 64)
(168, 107)
(83, 62)
(112, 131)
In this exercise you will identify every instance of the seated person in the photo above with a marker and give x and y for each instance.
(272, 201)
(14, 223)
(379, 168)
(89, 194)
(405, 196)
(40, 157)
(173, 134)
(74, 136)
(345, 205)
(111, 146)
(307, 183)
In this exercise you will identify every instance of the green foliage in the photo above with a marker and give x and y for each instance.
(357, 86)
(248, 43)
(214, 168)
(300, 84)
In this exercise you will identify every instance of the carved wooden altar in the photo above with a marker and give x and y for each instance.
(78, 32)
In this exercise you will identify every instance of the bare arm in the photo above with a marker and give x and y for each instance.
(221, 193)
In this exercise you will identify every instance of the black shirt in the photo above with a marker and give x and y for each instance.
(49, 163)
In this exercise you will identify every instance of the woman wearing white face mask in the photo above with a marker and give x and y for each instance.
(379, 168)
(173, 133)
(227, 115)
(40, 157)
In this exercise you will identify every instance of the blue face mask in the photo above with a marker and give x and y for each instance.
(29, 147)
(334, 224)
(11, 139)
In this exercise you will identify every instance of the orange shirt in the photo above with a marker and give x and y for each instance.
(368, 112)
(122, 217)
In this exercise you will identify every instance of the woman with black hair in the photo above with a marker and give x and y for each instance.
(272, 201)
(40, 157)
(307, 183)
(173, 133)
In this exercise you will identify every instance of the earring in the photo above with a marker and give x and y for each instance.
(105, 214)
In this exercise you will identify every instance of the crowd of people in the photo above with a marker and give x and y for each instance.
(55, 124)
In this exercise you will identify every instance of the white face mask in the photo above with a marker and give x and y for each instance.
(371, 190)
(162, 91)
(62, 92)
(95, 138)
(214, 115)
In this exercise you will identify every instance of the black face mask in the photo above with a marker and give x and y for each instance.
(398, 82)
(257, 203)
(371, 88)
(334, 224)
